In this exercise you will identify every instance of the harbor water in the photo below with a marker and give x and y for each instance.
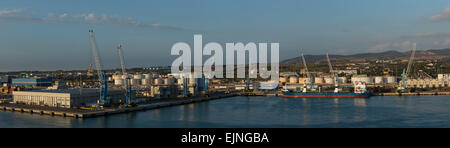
(264, 112)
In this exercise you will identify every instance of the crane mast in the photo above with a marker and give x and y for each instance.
(122, 63)
(411, 59)
(101, 75)
(406, 71)
(336, 89)
(311, 79)
(304, 64)
(128, 90)
(329, 65)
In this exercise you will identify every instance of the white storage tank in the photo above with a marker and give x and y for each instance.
(115, 77)
(171, 81)
(293, 79)
(363, 79)
(329, 80)
(180, 81)
(158, 81)
(137, 76)
(391, 79)
(342, 79)
(379, 80)
(135, 82)
(318, 80)
(145, 82)
(148, 76)
(119, 82)
(192, 79)
(166, 81)
(283, 79)
(303, 80)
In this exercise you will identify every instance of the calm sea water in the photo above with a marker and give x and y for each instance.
(262, 112)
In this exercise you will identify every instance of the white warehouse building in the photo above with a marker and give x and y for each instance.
(67, 98)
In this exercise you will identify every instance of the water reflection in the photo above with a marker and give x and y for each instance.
(336, 110)
(360, 109)
(411, 111)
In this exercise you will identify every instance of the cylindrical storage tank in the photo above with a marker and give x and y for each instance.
(117, 77)
(171, 81)
(124, 76)
(192, 79)
(166, 81)
(137, 76)
(318, 80)
(379, 80)
(329, 80)
(135, 81)
(148, 76)
(293, 79)
(119, 82)
(342, 79)
(301, 80)
(180, 81)
(391, 79)
(145, 82)
(283, 79)
(362, 79)
(158, 81)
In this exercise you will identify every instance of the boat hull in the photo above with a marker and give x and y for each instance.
(325, 95)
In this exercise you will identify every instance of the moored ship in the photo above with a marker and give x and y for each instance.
(360, 92)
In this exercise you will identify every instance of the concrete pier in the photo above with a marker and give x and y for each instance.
(412, 94)
(107, 111)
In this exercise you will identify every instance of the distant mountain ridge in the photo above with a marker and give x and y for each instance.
(364, 57)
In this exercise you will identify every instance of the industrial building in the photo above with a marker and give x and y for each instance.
(67, 98)
(32, 82)
(428, 83)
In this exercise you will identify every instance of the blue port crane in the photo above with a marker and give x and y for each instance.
(128, 90)
(103, 100)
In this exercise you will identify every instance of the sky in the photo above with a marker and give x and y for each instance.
(53, 34)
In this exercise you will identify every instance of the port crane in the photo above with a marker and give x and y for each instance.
(333, 73)
(128, 90)
(307, 72)
(103, 100)
(405, 74)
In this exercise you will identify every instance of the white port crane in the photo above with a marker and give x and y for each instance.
(103, 100)
(304, 64)
(336, 89)
(411, 59)
(405, 74)
(128, 90)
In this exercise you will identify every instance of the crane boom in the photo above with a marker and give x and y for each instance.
(101, 75)
(411, 59)
(329, 65)
(128, 91)
(122, 61)
(304, 64)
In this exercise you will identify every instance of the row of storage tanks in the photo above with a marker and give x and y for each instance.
(143, 79)
(149, 79)
(330, 80)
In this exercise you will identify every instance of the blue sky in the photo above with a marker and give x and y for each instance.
(53, 34)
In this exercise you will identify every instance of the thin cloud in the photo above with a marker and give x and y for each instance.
(443, 16)
(444, 42)
(429, 35)
(19, 16)
(10, 12)
(400, 46)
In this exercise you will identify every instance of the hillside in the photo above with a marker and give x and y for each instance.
(364, 57)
